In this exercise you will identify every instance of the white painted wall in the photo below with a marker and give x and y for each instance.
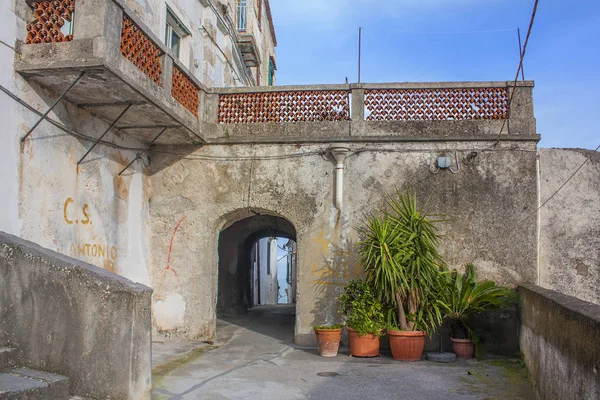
(87, 212)
(9, 148)
(267, 256)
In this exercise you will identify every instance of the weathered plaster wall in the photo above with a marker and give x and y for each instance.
(490, 204)
(560, 343)
(570, 223)
(87, 212)
(68, 317)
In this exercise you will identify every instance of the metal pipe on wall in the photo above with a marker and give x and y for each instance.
(340, 154)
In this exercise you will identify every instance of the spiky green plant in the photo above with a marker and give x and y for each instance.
(399, 254)
(465, 297)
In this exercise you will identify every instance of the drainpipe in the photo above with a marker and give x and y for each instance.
(340, 154)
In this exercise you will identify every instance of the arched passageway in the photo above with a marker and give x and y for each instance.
(249, 252)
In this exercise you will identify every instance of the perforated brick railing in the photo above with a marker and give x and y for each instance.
(436, 104)
(50, 18)
(279, 107)
(140, 50)
(185, 91)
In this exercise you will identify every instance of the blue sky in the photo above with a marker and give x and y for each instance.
(317, 43)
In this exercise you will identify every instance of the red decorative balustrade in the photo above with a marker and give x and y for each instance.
(279, 107)
(140, 50)
(436, 104)
(185, 91)
(50, 18)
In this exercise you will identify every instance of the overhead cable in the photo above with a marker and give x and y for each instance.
(512, 94)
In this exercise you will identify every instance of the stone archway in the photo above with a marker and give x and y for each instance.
(235, 280)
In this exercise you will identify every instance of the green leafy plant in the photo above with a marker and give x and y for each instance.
(464, 297)
(360, 309)
(328, 327)
(398, 251)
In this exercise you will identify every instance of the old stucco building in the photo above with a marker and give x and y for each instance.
(164, 162)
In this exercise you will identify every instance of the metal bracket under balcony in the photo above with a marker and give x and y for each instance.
(124, 65)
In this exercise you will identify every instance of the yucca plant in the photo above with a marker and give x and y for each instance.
(398, 251)
(465, 297)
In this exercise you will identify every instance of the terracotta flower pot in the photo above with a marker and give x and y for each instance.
(329, 341)
(406, 345)
(363, 346)
(463, 348)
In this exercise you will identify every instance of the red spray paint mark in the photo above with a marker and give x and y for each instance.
(169, 267)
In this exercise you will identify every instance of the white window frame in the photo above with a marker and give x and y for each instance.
(174, 27)
(242, 17)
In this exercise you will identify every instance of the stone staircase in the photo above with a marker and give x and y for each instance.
(28, 384)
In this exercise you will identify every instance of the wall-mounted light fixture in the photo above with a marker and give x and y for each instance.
(445, 162)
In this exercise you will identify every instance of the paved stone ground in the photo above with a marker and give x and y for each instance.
(253, 358)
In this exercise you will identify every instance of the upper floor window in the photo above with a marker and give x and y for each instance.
(272, 69)
(174, 33)
(242, 15)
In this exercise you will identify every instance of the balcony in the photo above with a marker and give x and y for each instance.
(249, 49)
(123, 73)
(438, 111)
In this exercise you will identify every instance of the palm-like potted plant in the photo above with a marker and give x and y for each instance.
(399, 253)
(328, 338)
(465, 297)
(364, 318)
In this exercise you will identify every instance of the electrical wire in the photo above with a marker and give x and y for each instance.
(448, 32)
(64, 128)
(137, 149)
(512, 94)
(242, 158)
(567, 181)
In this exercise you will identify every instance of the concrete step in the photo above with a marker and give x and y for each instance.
(29, 384)
(7, 358)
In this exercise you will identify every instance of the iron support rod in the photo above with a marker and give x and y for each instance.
(521, 54)
(359, 50)
(138, 155)
(43, 117)
(104, 134)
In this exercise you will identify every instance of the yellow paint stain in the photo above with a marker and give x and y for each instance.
(322, 242)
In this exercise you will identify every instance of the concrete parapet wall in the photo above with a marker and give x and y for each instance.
(467, 112)
(560, 342)
(71, 318)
